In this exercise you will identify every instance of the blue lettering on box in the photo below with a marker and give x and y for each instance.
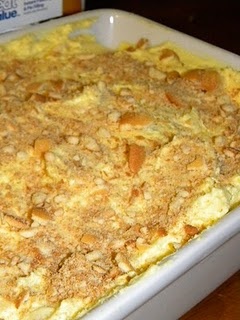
(7, 14)
(8, 9)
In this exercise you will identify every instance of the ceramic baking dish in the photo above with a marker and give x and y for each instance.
(180, 281)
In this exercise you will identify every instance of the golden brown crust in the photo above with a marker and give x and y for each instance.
(98, 162)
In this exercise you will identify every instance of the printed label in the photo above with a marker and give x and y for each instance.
(17, 13)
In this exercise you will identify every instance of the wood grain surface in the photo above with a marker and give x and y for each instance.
(222, 304)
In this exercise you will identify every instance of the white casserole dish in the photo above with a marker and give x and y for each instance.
(180, 281)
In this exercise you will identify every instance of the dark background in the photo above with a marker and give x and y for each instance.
(216, 22)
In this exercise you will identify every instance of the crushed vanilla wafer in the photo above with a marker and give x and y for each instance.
(110, 160)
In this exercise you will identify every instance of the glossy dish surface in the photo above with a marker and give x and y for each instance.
(121, 154)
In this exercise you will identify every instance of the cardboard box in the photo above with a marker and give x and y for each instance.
(15, 14)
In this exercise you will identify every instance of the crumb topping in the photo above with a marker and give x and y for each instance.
(101, 156)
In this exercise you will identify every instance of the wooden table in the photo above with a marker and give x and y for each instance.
(217, 23)
(222, 304)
